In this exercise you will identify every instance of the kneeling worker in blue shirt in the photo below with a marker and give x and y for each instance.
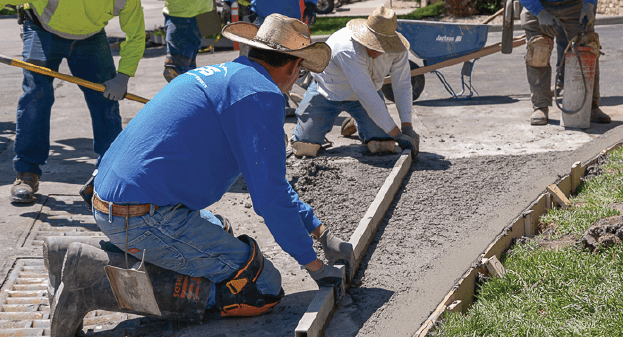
(184, 150)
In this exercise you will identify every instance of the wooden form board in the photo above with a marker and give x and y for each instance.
(320, 310)
(464, 289)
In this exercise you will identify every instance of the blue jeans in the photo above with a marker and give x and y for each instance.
(316, 116)
(183, 41)
(189, 242)
(89, 59)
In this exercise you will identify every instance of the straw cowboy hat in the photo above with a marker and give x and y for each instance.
(285, 35)
(378, 32)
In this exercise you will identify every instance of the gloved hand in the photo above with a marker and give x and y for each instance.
(338, 251)
(408, 130)
(226, 13)
(406, 142)
(329, 276)
(548, 23)
(309, 14)
(117, 87)
(588, 12)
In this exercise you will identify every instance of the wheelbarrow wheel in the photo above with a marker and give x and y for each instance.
(417, 82)
(325, 6)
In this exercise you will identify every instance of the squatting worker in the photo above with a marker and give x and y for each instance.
(74, 30)
(188, 145)
(540, 19)
(362, 55)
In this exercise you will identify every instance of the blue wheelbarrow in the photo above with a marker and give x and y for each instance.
(442, 44)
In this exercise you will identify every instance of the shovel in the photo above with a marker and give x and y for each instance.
(64, 77)
(133, 289)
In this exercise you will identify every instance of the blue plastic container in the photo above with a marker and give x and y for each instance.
(434, 41)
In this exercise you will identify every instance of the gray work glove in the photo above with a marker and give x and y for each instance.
(588, 12)
(338, 251)
(548, 23)
(117, 87)
(329, 276)
(406, 142)
(226, 13)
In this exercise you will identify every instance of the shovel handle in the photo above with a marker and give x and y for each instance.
(64, 77)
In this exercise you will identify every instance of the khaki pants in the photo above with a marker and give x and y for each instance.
(539, 78)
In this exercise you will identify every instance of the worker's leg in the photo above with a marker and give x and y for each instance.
(32, 136)
(367, 128)
(538, 56)
(188, 242)
(91, 59)
(183, 43)
(315, 117)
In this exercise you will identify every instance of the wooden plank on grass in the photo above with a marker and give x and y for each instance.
(560, 197)
(319, 312)
(576, 175)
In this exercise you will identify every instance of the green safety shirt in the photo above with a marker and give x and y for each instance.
(80, 19)
(187, 8)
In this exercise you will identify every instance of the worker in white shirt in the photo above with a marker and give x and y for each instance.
(362, 55)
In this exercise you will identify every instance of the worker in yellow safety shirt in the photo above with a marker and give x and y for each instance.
(54, 30)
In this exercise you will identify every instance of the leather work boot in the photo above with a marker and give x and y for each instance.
(376, 146)
(85, 287)
(598, 116)
(24, 187)
(348, 127)
(226, 224)
(539, 116)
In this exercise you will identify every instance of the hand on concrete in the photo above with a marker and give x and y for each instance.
(408, 130)
(226, 13)
(117, 87)
(309, 14)
(329, 276)
(338, 251)
(548, 23)
(588, 12)
(406, 142)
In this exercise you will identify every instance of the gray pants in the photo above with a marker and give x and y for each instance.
(539, 78)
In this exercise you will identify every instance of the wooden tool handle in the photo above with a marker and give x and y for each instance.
(64, 77)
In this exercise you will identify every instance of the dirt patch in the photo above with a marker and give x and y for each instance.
(604, 233)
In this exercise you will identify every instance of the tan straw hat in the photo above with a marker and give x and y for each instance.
(285, 35)
(378, 32)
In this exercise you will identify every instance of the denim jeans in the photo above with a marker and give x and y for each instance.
(89, 59)
(189, 242)
(183, 41)
(316, 116)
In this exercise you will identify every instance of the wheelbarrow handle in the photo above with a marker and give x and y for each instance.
(45, 71)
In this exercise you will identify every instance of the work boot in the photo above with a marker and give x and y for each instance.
(171, 72)
(85, 287)
(302, 149)
(54, 250)
(348, 127)
(376, 146)
(598, 116)
(539, 116)
(24, 187)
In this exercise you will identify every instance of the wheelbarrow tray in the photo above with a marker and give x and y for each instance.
(434, 41)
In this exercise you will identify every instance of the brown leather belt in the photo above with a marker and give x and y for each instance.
(121, 210)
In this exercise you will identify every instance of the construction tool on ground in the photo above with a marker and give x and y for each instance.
(45, 71)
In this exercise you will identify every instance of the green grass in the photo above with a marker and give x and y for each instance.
(555, 292)
(329, 25)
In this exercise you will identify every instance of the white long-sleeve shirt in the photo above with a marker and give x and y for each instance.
(353, 75)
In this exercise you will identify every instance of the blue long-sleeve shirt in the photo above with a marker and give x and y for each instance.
(197, 135)
(535, 7)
